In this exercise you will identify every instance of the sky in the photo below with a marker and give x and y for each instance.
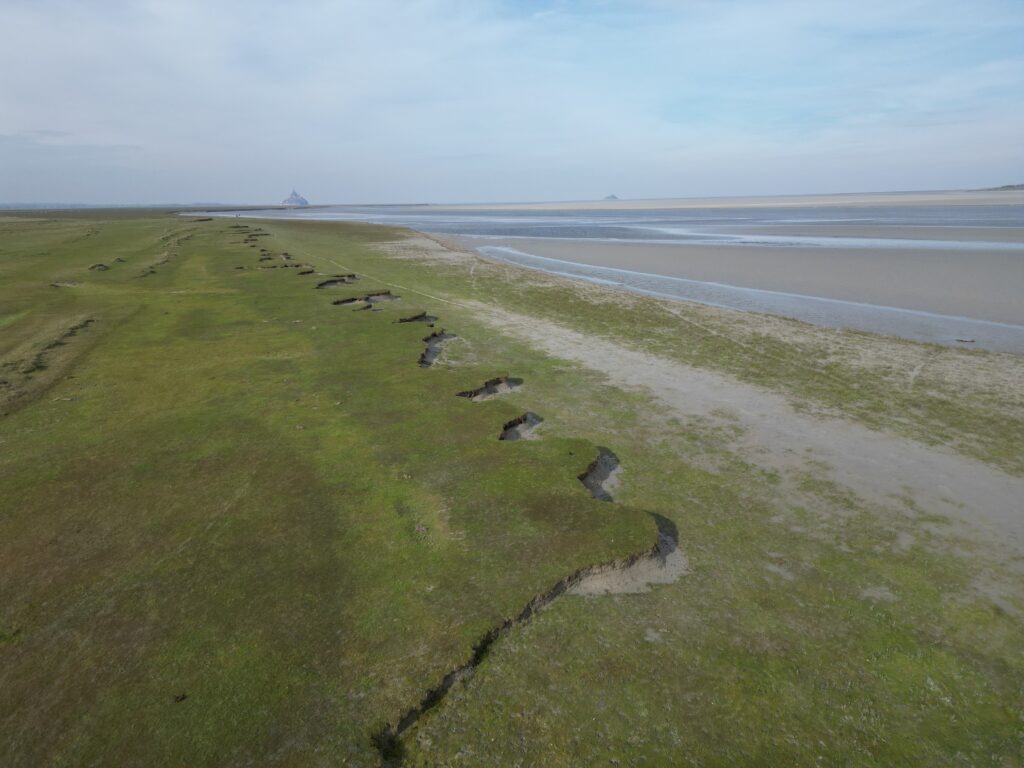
(348, 101)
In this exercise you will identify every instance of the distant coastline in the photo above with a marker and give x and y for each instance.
(1002, 196)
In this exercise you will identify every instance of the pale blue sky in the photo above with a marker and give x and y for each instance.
(452, 100)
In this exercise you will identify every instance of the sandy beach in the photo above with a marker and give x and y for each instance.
(976, 283)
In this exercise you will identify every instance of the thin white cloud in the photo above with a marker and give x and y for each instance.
(457, 100)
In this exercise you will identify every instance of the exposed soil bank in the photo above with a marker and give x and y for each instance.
(369, 299)
(492, 388)
(422, 317)
(602, 475)
(434, 342)
(661, 564)
(336, 281)
(521, 428)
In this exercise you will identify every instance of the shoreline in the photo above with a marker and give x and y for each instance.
(946, 197)
(902, 292)
(912, 282)
(987, 285)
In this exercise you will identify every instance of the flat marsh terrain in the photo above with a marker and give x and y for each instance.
(247, 519)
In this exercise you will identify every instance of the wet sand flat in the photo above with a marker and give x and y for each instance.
(886, 231)
(986, 285)
(952, 197)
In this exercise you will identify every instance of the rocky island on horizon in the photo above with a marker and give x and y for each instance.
(295, 199)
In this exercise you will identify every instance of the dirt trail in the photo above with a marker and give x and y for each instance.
(878, 467)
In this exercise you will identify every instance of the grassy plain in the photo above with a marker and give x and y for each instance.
(240, 525)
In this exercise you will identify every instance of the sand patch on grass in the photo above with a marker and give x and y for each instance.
(878, 467)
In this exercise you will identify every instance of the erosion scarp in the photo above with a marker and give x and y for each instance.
(435, 342)
(336, 281)
(602, 475)
(521, 427)
(663, 563)
(369, 300)
(491, 388)
(422, 317)
(380, 296)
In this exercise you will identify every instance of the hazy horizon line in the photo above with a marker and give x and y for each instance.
(43, 205)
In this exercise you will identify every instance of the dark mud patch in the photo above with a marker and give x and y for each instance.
(422, 317)
(98, 267)
(388, 740)
(601, 476)
(205, 218)
(266, 258)
(435, 343)
(521, 427)
(63, 284)
(306, 272)
(492, 388)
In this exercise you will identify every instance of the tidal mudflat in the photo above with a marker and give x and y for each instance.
(946, 268)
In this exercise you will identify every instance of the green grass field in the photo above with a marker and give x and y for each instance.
(240, 525)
